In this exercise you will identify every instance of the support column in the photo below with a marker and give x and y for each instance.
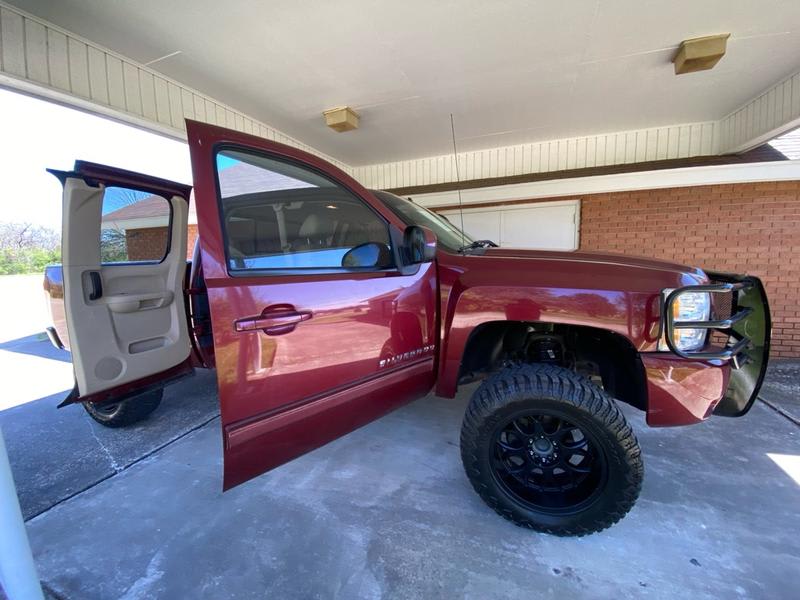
(17, 571)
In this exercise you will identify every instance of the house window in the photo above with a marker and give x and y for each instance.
(134, 226)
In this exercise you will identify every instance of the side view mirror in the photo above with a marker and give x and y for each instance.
(419, 245)
(370, 254)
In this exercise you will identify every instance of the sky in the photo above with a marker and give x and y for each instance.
(37, 135)
(115, 198)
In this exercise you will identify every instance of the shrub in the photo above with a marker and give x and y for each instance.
(25, 248)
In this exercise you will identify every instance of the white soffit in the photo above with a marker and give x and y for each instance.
(770, 114)
(42, 59)
(624, 147)
(766, 116)
(512, 72)
(535, 86)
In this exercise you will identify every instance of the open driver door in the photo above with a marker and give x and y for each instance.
(321, 324)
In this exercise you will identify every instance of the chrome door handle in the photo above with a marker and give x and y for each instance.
(273, 323)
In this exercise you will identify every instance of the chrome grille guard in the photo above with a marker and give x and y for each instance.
(748, 329)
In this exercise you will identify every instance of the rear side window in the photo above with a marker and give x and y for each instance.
(134, 226)
(280, 216)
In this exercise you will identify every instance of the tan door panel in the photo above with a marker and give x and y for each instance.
(136, 325)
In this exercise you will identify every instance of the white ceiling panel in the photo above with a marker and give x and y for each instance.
(511, 71)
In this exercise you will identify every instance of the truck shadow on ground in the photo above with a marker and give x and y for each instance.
(58, 453)
(36, 345)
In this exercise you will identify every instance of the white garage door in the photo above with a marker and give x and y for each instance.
(541, 226)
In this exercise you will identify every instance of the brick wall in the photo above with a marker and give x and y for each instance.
(149, 243)
(752, 228)
(191, 240)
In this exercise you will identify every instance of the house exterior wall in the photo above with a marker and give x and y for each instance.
(149, 243)
(191, 240)
(744, 228)
(146, 243)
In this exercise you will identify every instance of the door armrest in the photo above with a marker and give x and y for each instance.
(131, 302)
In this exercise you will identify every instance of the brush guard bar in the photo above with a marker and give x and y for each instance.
(748, 329)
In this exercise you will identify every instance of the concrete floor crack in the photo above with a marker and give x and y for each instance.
(786, 415)
(114, 465)
(124, 468)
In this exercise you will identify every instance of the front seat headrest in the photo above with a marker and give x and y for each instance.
(316, 229)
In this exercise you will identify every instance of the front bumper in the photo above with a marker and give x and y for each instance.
(725, 376)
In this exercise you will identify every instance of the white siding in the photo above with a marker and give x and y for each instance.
(74, 70)
(623, 147)
(771, 113)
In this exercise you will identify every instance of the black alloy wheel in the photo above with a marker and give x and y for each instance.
(549, 463)
(549, 450)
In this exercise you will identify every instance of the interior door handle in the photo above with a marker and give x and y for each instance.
(97, 285)
(273, 322)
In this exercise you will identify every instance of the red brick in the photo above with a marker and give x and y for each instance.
(749, 227)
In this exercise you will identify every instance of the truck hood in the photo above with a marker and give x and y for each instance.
(612, 292)
(597, 258)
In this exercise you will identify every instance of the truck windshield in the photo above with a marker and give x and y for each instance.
(447, 234)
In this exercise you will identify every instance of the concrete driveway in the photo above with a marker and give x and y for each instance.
(385, 511)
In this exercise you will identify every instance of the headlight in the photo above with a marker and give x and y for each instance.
(689, 306)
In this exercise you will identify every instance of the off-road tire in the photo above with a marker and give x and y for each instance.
(126, 412)
(548, 388)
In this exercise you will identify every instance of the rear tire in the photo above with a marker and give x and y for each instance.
(126, 412)
(549, 450)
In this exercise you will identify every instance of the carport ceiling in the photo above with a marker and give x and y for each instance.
(511, 71)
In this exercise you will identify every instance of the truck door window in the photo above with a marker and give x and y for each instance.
(134, 226)
(280, 216)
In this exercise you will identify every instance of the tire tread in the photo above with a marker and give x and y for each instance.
(515, 382)
(129, 412)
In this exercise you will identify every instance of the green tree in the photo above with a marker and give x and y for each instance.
(113, 246)
(27, 248)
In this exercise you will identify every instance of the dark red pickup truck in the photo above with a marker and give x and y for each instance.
(323, 305)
